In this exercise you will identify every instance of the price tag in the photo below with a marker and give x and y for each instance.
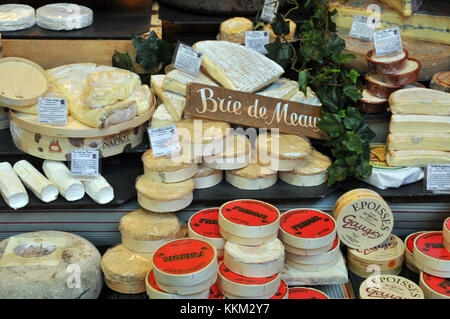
(256, 40)
(361, 28)
(269, 10)
(164, 140)
(52, 110)
(85, 163)
(438, 177)
(187, 59)
(387, 41)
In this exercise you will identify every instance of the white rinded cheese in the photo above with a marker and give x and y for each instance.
(310, 98)
(155, 292)
(15, 17)
(323, 258)
(11, 188)
(419, 141)
(417, 158)
(99, 189)
(207, 177)
(396, 56)
(45, 190)
(58, 173)
(389, 287)
(161, 117)
(143, 98)
(176, 81)
(281, 89)
(420, 101)
(293, 263)
(64, 16)
(237, 67)
(174, 103)
(411, 124)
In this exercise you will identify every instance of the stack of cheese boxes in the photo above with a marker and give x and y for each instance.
(419, 128)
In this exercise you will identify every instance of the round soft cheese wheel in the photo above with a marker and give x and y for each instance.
(441, 81)
(15, 17)
(409, 248)
(446, 233)
(207, 177)
(389, 287)
(306, 293)
(233, 30)
(252, 177)
(327, 257)
(193, 131)
(430, 254)
(125, 270)
(145, 231)
(155, 292)
(204, 225)
(236, 154)
(255, 261)
(344, 199)
(51, 264)
(64, 16)
(434, 287)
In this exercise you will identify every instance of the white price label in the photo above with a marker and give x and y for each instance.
(269, 10)
(256, 40)
(361, 28)
(387, 41)
(52, 110)
(438, 177)
(85, 163)
(164, 140)
(187, 59)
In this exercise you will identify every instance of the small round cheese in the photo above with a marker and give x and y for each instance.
(204, 225)
(434, 287)
(64, 16)
(389, 287)
(155, 292)
(409, 248)
(446, 233)
(397, 56)
(145, 231)
(236, 154)
(293, 262)
(441, 81)
(15, 17)
(306, 293)
(324, 258)
(430, 254)
(252, 177)
(254, 261)
(125, 270)
(233, 30)
(207, 177)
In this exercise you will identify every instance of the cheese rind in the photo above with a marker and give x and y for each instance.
(401, 123)
(15, 17)
(233, 30)
(161, 117)
(64, 16)
(417, 158)
(281, 89)
(420, 101)
(176, 81)
(404, 7)
(11, 188)
(58, 173)
(419, 141)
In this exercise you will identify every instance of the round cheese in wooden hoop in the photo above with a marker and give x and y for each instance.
(306, 293)
(434, 287)
(389, 287)
(430, 254)
(204, 225)
(446, 233)
(58, 142)
(409, 248)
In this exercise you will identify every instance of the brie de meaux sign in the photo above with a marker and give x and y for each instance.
(220, 104)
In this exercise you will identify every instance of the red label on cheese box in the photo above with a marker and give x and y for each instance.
(206, 223)
(183, 256)
(447, 223)
(440, 285)
(219, 259)
(306, 293)
(410, 241)
(307, 223)
(214, 292)
(281, 292)
(249, 212)
(152, 281)
(432, 244)
(228, 274)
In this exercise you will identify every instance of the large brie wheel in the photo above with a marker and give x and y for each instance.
(235, 156)
(49, 265)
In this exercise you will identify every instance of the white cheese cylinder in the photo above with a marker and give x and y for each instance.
(58, 173)
(11, 188)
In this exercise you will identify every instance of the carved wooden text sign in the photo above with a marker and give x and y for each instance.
(220, 104)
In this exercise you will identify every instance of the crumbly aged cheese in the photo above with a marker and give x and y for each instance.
(235, 156)
(207, 177)
(420, 101)
(125, 270)
(174, 103)
(204, 225)
(306, 293)
(254, 261)
(404, 7)
(15, 17)
(11, 188)
(233, 30)
(50, 264)
(64, 16)
(419, 141)
(441, 81)
(229, 64)
(417, 158)
(176, 81)
(58, 173)
(310, 98)
(389, 287)
(99, 189)
(161, 117)
(430, 254)
(434, 287)
(155, 292)
(420, 26)
(281, 89)
(401, 123)
(252, 177)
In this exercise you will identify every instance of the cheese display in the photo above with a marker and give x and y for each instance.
(164, 197)
(420, 101)
(144, 231)
(386, 64)
(282, 89)
(64, 16)
(434, 287)
(174, 102)
(306, 293)
(161, 117)
(370, 103)
(163, 169)
(52, 264)
(176, 81)
(125, 270)
(328, 257)
(154, 292)
(185, 266)
(363, 219)
(45, 190)
(252, 177)
(233, 30)
(204, 225)
(387, 258)
(311, 172)
(430, 255)
(420, 26)
(235, 156)
(389, 287)
(419, 141)
(254, 261)
(446, 234)
(99, 189)
(15, 17)
(69, 187)
(377, 86)
(249, 222)
(235, 286)
(228, 63)
(441, 81)
(207, 177)
(310, 98)
(404, 7)
(11, 188)
(409, 248)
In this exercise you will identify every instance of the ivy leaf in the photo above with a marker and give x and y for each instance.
(330, 123)
(152, 53)
(353, 142)
(335, 44)
(352, 92)
(280, 26)
(279, 52)
(303, 81)
(260, 24)
(353, 74)
(122, 60)
(365, 169)
(342, 58)
(337, 172)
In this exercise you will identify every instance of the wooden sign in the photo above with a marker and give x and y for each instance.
(220, 104)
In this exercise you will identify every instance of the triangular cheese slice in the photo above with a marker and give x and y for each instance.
(176, 81)
(175, 103)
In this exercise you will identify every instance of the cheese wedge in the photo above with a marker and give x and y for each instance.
(417, 158)
(176, 81)
(11, 187)
(419, 141)
(237, 67)
(421, 26)
(420, 101)
(281, 89)
(404, 7)
(310, 98)
(175, 103)
(161, 117)
(412, 124)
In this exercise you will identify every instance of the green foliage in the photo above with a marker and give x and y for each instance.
(153, 51)
(122, 60)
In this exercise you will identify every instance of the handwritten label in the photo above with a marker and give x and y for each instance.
(52, 110)
(269, 10)
(164, 140)
(85, 163)
(438, 177)
(187, 59)
(361, 28)
(256, 40)
(387, 41)
(220, 104)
